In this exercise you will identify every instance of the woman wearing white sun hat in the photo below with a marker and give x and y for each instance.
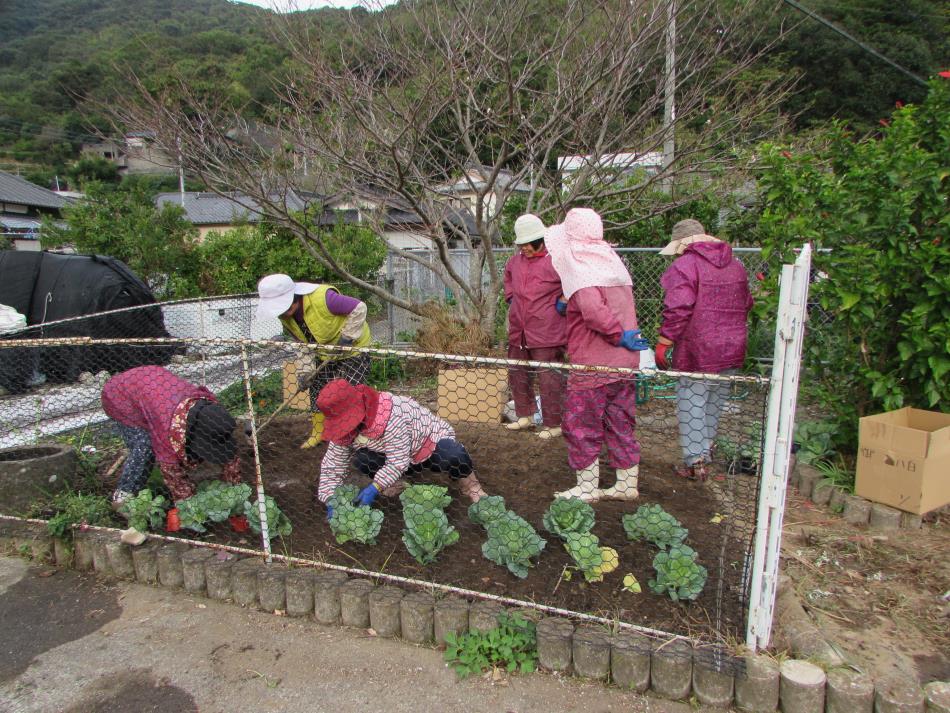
(318, 314)
(536, 331)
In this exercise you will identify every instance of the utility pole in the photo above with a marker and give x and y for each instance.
(181, 173)
(669, 98)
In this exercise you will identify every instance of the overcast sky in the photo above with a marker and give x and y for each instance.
(283, 5)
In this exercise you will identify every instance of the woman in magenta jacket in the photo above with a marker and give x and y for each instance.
(705, 311)
(600, 407)
(536, 332)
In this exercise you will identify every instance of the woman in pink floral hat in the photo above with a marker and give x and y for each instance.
(600, 407)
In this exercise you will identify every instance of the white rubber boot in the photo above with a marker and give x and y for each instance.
(521, 424)
(549, 433)
(626, 486)
(586, 489)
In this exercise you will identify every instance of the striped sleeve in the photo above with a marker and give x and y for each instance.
(332, 470)
(397, 446)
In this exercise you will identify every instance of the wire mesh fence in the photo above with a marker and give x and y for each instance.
(465, 475)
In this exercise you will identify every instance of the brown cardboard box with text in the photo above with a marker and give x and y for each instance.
(904, 459)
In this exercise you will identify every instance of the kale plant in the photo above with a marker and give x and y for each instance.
(355, 523)
(486, 510)
(145, 511)
(568, 515)
(653, 524)
(512, 542)
(214, 502)
(584, 548)
(277, 522)
(343, 494)
(428, 496)
(678, 574)
(427, 532)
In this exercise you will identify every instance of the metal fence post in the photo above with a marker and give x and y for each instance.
(783, 397)
(262, 509)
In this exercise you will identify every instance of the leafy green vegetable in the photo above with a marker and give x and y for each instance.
(355, 522)
(427, 532)
(512, 646)
(653, 524)
(343, 494)
(75, 509)
(567, 515)
(584, 548)
(678, 574)
(487, 509)
(145, 511)
(512, 542)
(428, 496)
(277, 522)
(214, 502)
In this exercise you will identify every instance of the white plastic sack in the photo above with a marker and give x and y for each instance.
(11, 320)
(647, 359)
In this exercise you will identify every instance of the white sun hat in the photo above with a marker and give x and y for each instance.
(528, 228)
(277, 292)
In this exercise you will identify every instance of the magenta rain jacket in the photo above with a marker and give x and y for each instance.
(705, 308)
(146, 397)
(532, 287)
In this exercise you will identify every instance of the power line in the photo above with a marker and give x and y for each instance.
(831, 26)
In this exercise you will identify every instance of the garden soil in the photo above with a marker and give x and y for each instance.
(527, 472)
(883, 599)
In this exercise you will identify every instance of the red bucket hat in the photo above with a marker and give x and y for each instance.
(344, 407)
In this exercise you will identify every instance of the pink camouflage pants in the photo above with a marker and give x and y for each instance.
(603, 414)
(550, 382)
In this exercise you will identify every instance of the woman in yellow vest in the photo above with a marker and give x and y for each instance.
(319, 314)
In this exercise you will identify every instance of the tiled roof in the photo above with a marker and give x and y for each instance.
(14, 189)
(213, 209)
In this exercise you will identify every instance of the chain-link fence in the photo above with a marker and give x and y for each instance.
(215, 426)
(414, 281)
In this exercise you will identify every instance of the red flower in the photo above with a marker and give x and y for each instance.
(884, 122)
(786, 154)
(899, 104)
(760, 276)
(945, 74)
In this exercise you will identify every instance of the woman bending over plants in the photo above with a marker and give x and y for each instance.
(387, 437)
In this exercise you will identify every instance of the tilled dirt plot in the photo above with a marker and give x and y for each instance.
(527, 472)
(881, 598)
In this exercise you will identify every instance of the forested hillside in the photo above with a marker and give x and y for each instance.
(58, 58)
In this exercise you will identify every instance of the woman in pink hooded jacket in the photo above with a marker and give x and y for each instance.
(536, 332)
(600, 406)
(705, 310)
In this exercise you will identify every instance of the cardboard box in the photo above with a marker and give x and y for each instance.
(904, 459)
(291, 370)
(477, 395)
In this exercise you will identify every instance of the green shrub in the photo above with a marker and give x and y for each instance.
(77, 509)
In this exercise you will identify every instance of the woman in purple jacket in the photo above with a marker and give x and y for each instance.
(536, 332)
(600, 406)
(705, 310)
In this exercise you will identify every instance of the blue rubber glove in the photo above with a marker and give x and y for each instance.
(345, 342)
(561, 307)
(367, 495)
(329, 512)
(632, 340)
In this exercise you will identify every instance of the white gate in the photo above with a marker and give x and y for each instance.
(783, 395)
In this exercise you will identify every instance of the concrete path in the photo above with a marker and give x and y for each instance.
(73, 643)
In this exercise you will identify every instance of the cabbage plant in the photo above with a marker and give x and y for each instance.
(678, 574)
(427, 532)
(355, 523)
(653, 524)
(428, 496)
(512, 542)
(568, 515)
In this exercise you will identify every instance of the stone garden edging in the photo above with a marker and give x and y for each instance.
(674, 669)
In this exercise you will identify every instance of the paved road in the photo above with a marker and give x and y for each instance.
(75, 644)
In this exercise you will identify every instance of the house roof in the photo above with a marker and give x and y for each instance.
(473, 181)
(214, 209)
(613, 160)
(14, 189)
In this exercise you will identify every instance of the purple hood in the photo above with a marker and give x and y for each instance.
(705, 308)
